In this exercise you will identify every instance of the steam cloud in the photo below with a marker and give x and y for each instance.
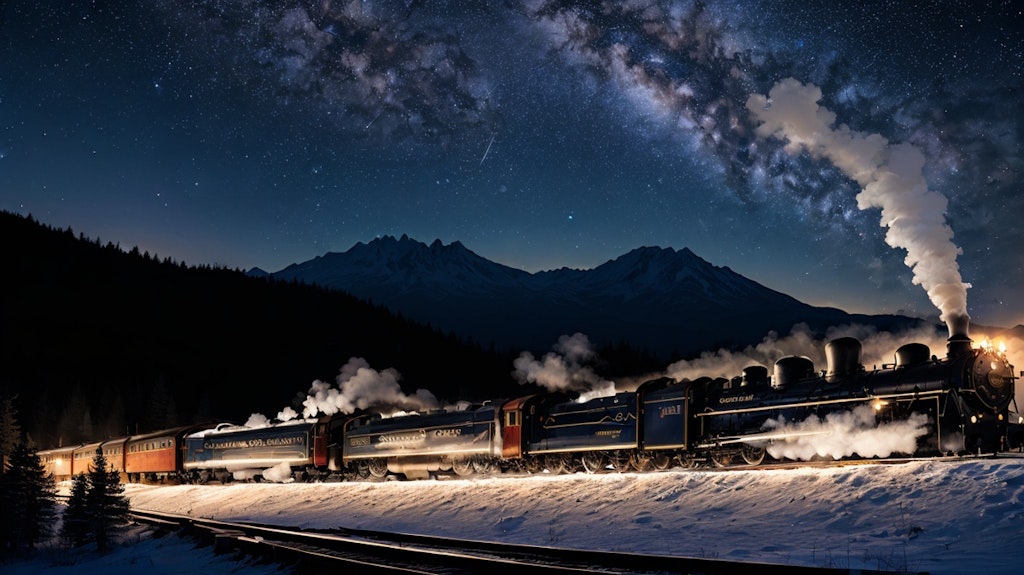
(361, 387)
(877, 348)
(891, 178)
(845, 433)
(565, 369)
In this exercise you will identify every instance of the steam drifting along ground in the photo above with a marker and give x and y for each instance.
(935, 516)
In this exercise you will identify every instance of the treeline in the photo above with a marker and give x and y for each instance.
(99, 342)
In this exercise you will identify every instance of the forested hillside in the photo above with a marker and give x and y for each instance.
(97, 342)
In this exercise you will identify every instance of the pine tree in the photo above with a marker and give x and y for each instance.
(27, 500)
(10, 431)
(75, 528)
(97, 509)
(108, 507)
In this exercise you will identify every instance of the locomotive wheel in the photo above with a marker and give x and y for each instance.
(462, 467)
(753, 455)
(593, 462)
(378, 468)
(641, 462)
(722, 458)
(533, 465)
(620, 461)
(362, 470)
(556, 464)
(483, 466)
(662, 461)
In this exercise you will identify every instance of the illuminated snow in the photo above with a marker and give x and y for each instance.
(935, 516)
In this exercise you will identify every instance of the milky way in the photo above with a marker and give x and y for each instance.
(540, 134)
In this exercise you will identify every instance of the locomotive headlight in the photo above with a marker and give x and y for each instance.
(878, 404)
(1020, 419)
(974, 419)
(999, 417)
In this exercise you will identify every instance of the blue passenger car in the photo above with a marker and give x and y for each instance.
(234, 448)
(418, 444)
(601, 424)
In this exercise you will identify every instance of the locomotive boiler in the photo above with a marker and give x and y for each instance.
(959, 403)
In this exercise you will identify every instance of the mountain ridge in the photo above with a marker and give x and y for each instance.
(666, 300)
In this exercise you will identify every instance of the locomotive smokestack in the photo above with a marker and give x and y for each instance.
(959, 342)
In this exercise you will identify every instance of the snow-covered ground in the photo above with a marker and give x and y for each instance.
(935, 516)
(944, 517)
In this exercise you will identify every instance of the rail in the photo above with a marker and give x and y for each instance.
(381, 552)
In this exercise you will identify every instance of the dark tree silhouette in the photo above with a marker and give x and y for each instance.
(10, 431)
(74, 529)
(27, 501)
(107, 504)
(97, 509)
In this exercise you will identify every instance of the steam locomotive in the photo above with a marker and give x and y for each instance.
(959, 404)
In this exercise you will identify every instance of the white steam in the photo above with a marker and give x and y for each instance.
(565, 369)
(257, 420)
(280, 473)
(845, 433)
(878, 348)
(890, 177)
(361, 387)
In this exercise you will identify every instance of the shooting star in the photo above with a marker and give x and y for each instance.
(488, 150)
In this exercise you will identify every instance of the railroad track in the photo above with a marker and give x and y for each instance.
(379, 552)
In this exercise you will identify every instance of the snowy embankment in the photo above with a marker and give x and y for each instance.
(935, 516)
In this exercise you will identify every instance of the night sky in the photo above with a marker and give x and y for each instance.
(539, 134)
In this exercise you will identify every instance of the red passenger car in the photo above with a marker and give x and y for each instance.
(157, 456)
(57, 462)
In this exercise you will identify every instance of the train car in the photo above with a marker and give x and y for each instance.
(82, 457)
(560, 434)
(962, 399)
(157, 456)
(113, 452)
(57, 462)
(232, 452)
(666, 438)
(464, 441)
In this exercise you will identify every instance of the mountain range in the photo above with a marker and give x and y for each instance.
(669, 302)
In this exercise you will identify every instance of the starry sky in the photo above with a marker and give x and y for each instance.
(539, 134)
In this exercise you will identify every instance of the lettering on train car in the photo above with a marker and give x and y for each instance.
(359, 441)
(410, 437)
(668, 410)
(736, 399)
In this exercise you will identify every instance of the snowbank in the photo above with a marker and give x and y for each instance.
(936, 516)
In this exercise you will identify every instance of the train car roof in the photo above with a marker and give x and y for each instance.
(225, 428)
(90, 446)
(57, 450)
(517, 403)
(173, 431)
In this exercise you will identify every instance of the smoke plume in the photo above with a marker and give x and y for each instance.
(361, 387)
(877, 348)
(890, 177)
(565, 369)
(845, 433)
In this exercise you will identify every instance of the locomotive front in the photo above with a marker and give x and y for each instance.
(985, 380)
(960, 403)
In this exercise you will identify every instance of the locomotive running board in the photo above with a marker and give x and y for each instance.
(761, 437)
